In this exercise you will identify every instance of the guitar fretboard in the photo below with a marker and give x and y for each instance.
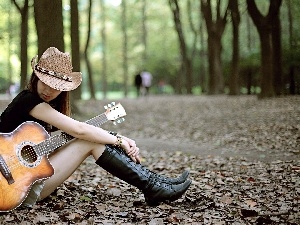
(52, 143)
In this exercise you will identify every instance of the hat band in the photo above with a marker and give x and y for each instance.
(52, 73)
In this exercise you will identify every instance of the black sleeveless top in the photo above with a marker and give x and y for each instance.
(17, 112)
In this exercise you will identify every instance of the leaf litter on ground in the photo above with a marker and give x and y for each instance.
(249, 175)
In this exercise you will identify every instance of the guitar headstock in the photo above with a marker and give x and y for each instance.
(115, 112)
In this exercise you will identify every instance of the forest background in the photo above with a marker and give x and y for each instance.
(192, 47)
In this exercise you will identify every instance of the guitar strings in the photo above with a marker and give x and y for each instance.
(27, 156)
(61, 139)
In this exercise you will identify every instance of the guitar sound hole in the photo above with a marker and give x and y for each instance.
(28, 154)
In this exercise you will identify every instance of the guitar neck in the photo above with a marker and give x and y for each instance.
(53, 143)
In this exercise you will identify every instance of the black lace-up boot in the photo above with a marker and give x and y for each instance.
(179, 180)
(154, 189)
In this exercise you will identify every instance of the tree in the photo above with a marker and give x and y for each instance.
(264, 25)
(249, 73)
(234, 75)
(203, 54)
(195, 31)
(277, 55)
(125, 48)
(144, 28)
(103, 36)
(186, 62)
(215, 30)
(75, 44)
(86, 54)
(24, 34)
(292, 82)
(49, 24)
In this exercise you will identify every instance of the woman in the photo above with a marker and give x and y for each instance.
(46, 101)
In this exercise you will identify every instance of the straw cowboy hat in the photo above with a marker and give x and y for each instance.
(55, 69)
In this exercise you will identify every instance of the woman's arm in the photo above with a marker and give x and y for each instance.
(77, 129)
(81, 130)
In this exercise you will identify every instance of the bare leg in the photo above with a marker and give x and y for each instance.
(67, 159)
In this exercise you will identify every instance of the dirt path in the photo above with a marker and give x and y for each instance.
(207, 150)
(264, 130)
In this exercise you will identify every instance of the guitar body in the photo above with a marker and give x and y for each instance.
(21, 163)
(23, 156)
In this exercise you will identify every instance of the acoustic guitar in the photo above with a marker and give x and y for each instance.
(23, 155)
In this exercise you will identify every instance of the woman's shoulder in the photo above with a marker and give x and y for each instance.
(26, 99)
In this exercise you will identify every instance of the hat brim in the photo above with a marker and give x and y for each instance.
(60, 84)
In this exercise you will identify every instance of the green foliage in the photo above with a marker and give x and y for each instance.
(291, 58)
(9, 37)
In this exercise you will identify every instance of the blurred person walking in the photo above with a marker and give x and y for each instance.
(146, 81)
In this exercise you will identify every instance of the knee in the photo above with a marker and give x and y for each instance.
(97, 150)
(89, 148)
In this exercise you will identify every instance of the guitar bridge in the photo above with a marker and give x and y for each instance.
(5, 171)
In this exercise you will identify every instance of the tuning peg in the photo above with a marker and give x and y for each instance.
(120, 120)
(113, 103)
(105, 107)
(114, 123)
(109, 105)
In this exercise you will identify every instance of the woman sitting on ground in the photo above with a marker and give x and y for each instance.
(46, 101)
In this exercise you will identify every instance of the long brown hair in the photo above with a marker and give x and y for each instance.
(61, 103)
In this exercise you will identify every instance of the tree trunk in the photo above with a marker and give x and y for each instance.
(86, 55)
(277, 55)
(203, 55)
(9, 70)
(195, 32)
(192, 27)
(267, 78)
(233, 77)
(249, 46)
(249, 80)
(75, 45)
(292, 82)
(103, 36)
(215, 30)
(216, 79)
(24, 34)
(186, 61)
(145, 33)
(264, 26)
(49, 24)
(125, 43)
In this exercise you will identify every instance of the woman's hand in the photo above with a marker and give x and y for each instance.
(131, 149)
